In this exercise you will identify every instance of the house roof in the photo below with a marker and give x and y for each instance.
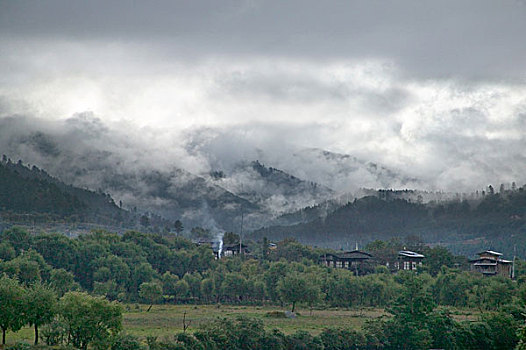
(490, 252)
(410, 254)
(355, 254)
(234, 246)
(351, 255)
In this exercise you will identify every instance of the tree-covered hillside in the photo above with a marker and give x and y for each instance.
(36, 270)
(32, 195)
(21, 194)
(494, 219)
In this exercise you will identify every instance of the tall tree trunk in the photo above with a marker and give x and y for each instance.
(3, 336)
(293, 306)
(36, 334)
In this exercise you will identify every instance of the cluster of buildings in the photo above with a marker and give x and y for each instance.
(489, 263)
(223, 250)
(361, 262)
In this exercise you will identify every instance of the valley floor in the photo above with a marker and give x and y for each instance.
(164, 321)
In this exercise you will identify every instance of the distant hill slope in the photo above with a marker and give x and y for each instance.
(496, 220)
(33, 191)
(178, 194)
(34, 194)
(272, 189)
(345, 173)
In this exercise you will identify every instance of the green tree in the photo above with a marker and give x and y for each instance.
(28, 271)
(126, 342)
(58, 250)
(19, 238)
(140, 274)
(169, 281)
(437, 257)
(89, 319)
(41, 305)
(12, 300)
(151, 292)
(208, 289)
(407, 329)
(339, 339)
(181, 290)
(178, 226)
(194, 284)
(503, 330)
(62, 281)
(273, 274)
(7, 252)
(522, 339)
(442, 328)
(233, 287)
(294, 288)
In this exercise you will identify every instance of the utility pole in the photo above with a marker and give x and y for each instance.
(513, 264)
(241, 231)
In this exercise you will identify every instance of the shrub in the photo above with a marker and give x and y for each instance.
(53, 333)
(19, 346)
(126, 342)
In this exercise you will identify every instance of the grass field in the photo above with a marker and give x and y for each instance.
(166, 320)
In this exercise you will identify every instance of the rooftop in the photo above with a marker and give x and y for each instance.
(410, 254)
(490, 252)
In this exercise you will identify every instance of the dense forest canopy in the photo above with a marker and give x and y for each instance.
(151, 268)
(495, 219)
(465, 223)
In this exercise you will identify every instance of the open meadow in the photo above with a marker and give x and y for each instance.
(163, 321)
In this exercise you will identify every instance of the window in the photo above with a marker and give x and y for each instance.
(406, 265)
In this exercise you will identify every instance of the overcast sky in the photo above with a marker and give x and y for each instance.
(437, 88)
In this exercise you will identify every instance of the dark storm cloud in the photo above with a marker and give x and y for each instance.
(480, 39)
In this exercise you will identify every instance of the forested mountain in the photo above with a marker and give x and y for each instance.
(178, 194)
(497, 220)
(344, 172)
(30, 194)
(272, 189)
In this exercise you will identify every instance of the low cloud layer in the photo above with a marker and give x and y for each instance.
(433, 92)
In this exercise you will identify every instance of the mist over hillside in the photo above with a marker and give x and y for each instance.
(187, 181)
(205, 181)
(466, 225)
(32, 196)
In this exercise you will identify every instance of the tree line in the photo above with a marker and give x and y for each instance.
(79, 320)
(138, 267)
(76, 318)
(495, 216)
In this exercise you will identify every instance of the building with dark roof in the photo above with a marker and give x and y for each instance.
(490, 263)
(234, 249)
(355, 260)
